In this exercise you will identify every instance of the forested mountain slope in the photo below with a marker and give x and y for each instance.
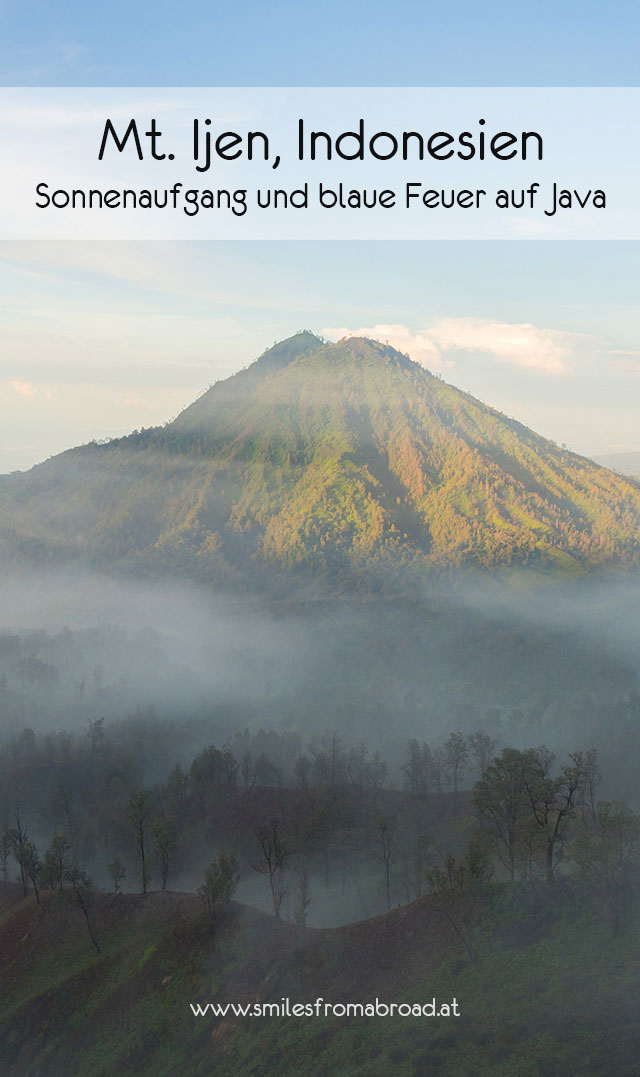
(346, 460)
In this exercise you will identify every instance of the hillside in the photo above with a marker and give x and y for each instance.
(345, 460)
(554, 1003)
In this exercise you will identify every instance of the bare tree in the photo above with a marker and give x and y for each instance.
(117, 872)
(138, 810)
(5, 852)
(384, 852)
(60, 809)
(328, 759)
(438, 763)
(609, 856)
(304, 899)
(18, 839)
(275, 855)
(302, 770)
(414, 868)
(33, 866)
(456, 753)
(95, 734)
(164, 842)
(482, 747)
(247, 771)
(419, 769)
(82, 897)
(592, 779)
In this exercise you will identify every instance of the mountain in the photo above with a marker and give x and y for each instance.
(627, 463)
(345, 461)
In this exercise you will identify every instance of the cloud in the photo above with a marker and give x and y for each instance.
(419, 345)
(23, 388)
(520, 343)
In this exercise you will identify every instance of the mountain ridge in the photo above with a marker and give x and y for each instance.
(340, 460)
(627, 463)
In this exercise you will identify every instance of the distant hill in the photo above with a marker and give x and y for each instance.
(627, 463)
(342, 461)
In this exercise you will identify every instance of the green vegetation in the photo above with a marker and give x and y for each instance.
(559, 998)
(521, 902)
(346, 460)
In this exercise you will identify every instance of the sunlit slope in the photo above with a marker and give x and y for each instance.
(331, 458)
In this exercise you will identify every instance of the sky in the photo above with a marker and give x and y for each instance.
(324, 43)
(99, 339)
(102, 338)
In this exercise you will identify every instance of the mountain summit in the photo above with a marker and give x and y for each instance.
(338, 459)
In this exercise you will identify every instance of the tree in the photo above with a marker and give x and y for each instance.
(275, 855)
(61, 809)
(18, 840)
(117, 872)
(5, 852)
(551, 800)
(95, 734)
(304, 899)
(418, 769)
(366, 771)
(138, 811)
(460, 890)
(384, 852)
(220, 881)
(609, 858)
(247, 771)
(456, 753)
(164, 842)
(500, 799)
(328, 759)
(437, 760)
(265, 771)
(378, 773)
(55, 863)
(357, 767)
(32, 866)
(414, 868)
(302, 770)
(82, 897)
(529, 807)
(592, 779)
(213, 775)
(177, 790)
(482, 747)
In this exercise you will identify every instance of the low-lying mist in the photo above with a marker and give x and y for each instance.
(310, 703)
(524, 656)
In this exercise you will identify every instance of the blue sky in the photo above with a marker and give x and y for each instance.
(101, 338)
(335, 42)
